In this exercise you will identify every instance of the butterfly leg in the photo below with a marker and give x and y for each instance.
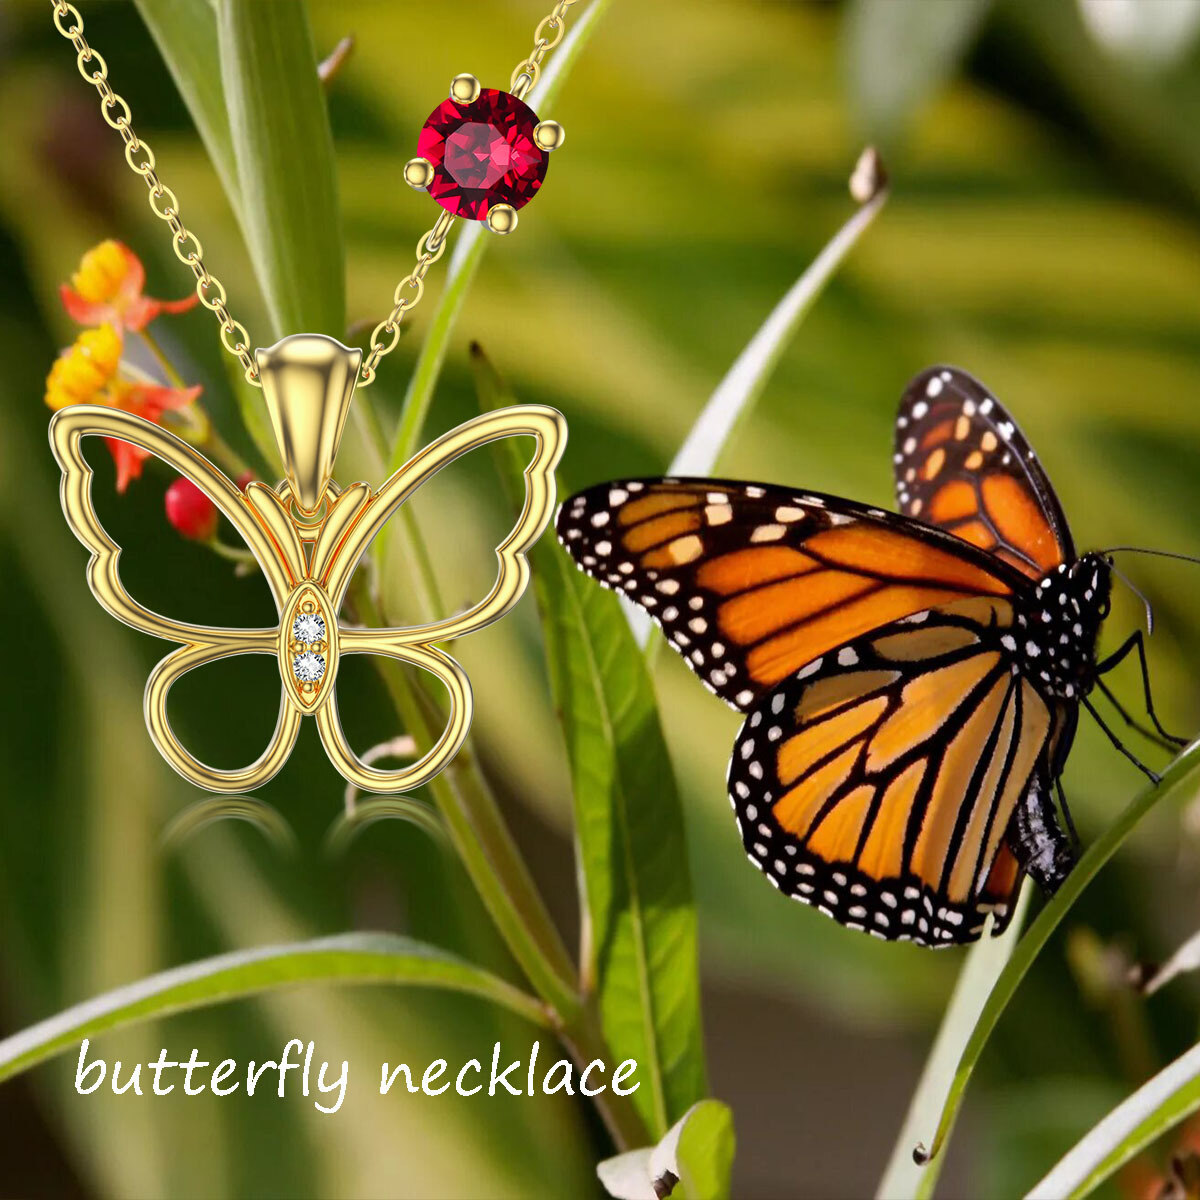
(1121, 711)
(1136, 642)
(1153, 776)
(1068, 820)
(1037, 840)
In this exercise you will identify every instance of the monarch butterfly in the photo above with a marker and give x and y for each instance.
(911, 681)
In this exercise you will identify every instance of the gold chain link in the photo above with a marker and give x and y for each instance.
(186, 244)
(408, 292)
(546, 36)
(163, 203)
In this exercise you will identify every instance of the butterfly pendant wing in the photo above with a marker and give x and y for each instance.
(337, 554)
(317, 578)
(198, 644)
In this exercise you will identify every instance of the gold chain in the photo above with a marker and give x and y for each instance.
(548, 34)
(186, 245)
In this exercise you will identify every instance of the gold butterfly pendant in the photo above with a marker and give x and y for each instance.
(308, 536)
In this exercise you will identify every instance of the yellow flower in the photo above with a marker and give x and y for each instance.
(108, 287)
(102, 271)
(83, 372)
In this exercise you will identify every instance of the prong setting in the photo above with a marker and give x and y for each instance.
(549, 135)
(502, 218)
(464, 89)
(418, 173)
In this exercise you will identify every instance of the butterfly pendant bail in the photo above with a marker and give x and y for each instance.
(308, 536)
(308, 383)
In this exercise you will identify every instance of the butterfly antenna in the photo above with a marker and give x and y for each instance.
(1137, 591)
(1153, 776)
(1156, 553)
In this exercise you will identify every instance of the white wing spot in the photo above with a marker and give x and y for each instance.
(768, 533)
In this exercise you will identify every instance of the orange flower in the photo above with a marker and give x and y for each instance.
(108, 288)
(87, 373)
(149, 401)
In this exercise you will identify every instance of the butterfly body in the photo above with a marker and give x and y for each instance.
(1057, 634)
(910, 681)
(308, 647)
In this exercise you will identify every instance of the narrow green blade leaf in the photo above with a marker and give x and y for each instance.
(743, 384)
(1134, 1124)
(185, 32)
(287, 178)
(349, 958)
(1184, 772)
(468, 252)
(639, 940)
(984, 962)
(734, 398)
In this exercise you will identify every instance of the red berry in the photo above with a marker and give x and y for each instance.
(483, 153)
(190, 511)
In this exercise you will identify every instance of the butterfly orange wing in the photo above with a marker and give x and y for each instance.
(878, 783)
(962, 464)
(751, 582)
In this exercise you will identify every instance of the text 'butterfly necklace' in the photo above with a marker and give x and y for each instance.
(483, 155)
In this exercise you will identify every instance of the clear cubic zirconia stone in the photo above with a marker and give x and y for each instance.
(308, 628)
(308, 667)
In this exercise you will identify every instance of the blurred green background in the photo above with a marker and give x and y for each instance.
(1042, 233)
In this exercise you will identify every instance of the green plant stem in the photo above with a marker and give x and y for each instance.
(481, 838)
(1183, 771)
(584, 1038)
(160, 355)
(232, 553)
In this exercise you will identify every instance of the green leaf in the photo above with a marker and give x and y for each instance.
(639, 937)
(693, 1160)
(468, 252)
(1158, 1105)
(349, 958)
(1184, 771)
(705, 1151)
(287, 178)
(185, 32)
(901, 51)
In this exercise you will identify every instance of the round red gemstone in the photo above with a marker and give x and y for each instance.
(483, 153)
